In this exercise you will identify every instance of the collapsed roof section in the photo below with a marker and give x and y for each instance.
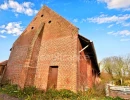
(90, 51)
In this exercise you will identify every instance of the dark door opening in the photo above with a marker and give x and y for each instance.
(52, 77)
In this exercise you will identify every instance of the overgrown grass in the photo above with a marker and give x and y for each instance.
(13, 90)
(31, 93)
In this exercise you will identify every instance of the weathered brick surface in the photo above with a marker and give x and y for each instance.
(56, 45)
(16, 61)
(85, 70)
(59, 52)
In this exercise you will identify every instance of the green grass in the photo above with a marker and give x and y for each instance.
(31, 93)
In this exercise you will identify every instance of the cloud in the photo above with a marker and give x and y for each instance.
(128, 9)
(116, 4)
(83, 20)
(13, 28)
(109, 19)
(122, 33)
(126, 23)
(110, 32)
(2, 31)
(16, 15)
(110, 26)
(75, 20)
(25, 8)
(3, 26)
(4, 6)
(2, 36)
(124, 40)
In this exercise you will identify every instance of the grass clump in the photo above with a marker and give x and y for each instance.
(14, 91)
(67, 94)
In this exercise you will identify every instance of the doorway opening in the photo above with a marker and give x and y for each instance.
(52, 77)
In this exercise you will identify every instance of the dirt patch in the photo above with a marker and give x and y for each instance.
(7, 97)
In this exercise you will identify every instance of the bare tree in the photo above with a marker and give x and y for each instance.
(113, 65)
(117, 66)
(127, 64)
(107, 65)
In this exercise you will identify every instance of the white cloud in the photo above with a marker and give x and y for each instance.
(13, 28)
(110, 32)
(124, 40)
(2, 26)
(127, 9)
(2, 31)
(126, 24)
(117, 4)
(109, 19)
(75, 20)
(4, 6)
(27, 4)
(122, 33)
(110, 26)
(25, 8)
(83, 20)
(2, 36)
(16, 15)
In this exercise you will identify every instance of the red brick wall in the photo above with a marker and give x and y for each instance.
(58, 48)
(59, 52)
(33, 62)
(85, 79)
(18, 56)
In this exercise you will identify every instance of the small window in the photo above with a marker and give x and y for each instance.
(32, 28)
(10, 49)
(42, 15)
(49, 21)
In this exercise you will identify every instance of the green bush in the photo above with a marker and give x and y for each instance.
(51, 93)
(29, 90)
(67, 94)
(12, 90)
(61, 94)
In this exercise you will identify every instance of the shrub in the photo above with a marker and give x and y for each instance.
(51, 94)
(67, 94)
(11, 90)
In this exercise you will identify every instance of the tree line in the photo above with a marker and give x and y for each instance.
(116, 66)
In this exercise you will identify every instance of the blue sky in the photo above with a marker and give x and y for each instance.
(106, 22)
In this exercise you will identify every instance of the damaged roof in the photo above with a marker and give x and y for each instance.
(91, 51)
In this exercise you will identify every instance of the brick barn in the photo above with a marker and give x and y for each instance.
(51, 54)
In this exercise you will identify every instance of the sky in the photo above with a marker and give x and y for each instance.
(105, 22)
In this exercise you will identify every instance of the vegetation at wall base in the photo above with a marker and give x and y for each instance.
(31, 93)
